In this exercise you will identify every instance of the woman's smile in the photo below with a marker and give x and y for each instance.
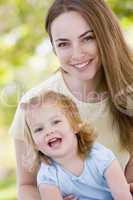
(82, 66)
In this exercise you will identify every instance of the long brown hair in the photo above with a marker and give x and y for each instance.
(85, 134)
(116, 58)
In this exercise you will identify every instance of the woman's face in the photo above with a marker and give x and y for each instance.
(75, 46)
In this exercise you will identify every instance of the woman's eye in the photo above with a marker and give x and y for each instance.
(63, 44)
(38, 129)
(89, 37)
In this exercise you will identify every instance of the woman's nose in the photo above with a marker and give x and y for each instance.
(77, 52)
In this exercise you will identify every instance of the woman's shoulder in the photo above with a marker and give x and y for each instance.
(52, 83)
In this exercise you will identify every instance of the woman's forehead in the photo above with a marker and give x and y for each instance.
(68, 23)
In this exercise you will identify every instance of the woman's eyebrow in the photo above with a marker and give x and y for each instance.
(61, 39)
(83, 34)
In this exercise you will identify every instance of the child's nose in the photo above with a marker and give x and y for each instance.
(49, 132)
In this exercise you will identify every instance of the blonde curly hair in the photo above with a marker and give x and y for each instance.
(85, 134)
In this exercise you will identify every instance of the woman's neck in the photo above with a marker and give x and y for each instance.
(87, 90)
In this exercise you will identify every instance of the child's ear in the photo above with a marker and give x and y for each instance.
(77, 128)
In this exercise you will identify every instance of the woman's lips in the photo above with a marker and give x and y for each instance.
(82, 66)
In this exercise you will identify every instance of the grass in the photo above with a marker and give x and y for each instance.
(7, 168)
(8, 188)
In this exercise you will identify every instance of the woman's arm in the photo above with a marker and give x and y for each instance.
(26, 181)
(129, 173)
(117, 182)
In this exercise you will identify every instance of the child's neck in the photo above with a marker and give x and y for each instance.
(72, 163)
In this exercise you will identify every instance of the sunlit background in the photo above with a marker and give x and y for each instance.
(26, 59)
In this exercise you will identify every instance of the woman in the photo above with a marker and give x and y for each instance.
(96, 72)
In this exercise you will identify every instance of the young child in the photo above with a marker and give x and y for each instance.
(70, 162)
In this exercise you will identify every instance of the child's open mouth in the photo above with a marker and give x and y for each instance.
(54, 142)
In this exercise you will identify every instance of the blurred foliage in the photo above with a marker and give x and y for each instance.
(124, 10)
(8, 188)
(21, 31)
(7, 167)
(24, 56)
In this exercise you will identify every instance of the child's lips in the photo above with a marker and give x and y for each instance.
(54, 142)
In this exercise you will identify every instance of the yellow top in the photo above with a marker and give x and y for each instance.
(98, 114)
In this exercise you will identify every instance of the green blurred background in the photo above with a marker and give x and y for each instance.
(26, 59)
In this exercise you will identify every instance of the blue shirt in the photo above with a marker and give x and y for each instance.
(90, 185)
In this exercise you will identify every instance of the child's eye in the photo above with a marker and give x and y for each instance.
(56, 121)
(38, 129)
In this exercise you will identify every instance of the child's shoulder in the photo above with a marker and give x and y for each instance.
(101, 157)
(100, 151)
(47, 168)
(47, 174)
(99, 147)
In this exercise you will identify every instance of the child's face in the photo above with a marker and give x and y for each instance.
(52, 132)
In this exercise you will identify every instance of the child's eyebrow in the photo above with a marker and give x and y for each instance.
(34, 126)
(54, 117)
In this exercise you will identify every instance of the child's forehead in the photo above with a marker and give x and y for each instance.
(45, 109)
(44, 113)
